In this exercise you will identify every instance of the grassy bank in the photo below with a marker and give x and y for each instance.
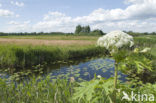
(26, 56)
(23, 51)
(27, 51)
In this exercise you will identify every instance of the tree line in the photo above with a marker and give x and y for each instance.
(139, 34)
(34, 33)
(79, 30)
(85, 30)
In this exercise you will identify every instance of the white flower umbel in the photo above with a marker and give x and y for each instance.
(115, 39)
(145, 50)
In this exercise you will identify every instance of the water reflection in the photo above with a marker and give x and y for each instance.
(86, 70)
(81, 70)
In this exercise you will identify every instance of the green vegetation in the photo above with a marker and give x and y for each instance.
(147, 41)
(81, 29)
(34, 33)
(85, 30)
(45, 90)
(139, 34)
(27, 56)
(99, 90)
(24, 54)
(97, 32)
(55, 37)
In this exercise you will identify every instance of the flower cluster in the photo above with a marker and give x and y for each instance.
(115, 39)
(145, 50)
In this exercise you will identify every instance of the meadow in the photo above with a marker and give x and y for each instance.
(34, 50)
(26, 51)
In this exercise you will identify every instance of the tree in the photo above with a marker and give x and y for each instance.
(78, 29)
(87, 29)
(82, 29)
(98, 32)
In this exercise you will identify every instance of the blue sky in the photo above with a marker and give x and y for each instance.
(64, 15)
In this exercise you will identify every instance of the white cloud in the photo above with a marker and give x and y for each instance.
(13, 23)
(134, 1)
(137, 10)
(139, 16)
(17, 15)
(6, 13)
(143, 10)
(19, 23)
(15, 26)
(0, 5)
(101, 15)
(134, 17)
(19, 4)
(54, 21)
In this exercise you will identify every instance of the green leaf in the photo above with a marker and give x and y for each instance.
(85, 89)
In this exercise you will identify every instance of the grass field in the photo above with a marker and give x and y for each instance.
(54, 37)
(70, 42)
(32, 50)
(50, 40)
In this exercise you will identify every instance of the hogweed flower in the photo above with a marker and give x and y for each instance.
(99, 76)
(115, 39)
(145, 50)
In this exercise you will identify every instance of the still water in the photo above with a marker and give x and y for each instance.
(81, 70)
(86, 70)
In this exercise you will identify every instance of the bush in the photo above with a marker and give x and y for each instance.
(98, 32)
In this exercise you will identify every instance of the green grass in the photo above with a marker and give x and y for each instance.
(147, 41)
(26, 55)
(36, 91)
(53, 37)
(43, 90)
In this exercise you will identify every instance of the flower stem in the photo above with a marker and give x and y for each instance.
(116, 75)
(115, 80)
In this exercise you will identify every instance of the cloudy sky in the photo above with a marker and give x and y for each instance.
(64, 15)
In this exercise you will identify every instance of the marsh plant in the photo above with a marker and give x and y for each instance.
(121, 47)
(128, 59)
(114, 41)
(133, 61)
